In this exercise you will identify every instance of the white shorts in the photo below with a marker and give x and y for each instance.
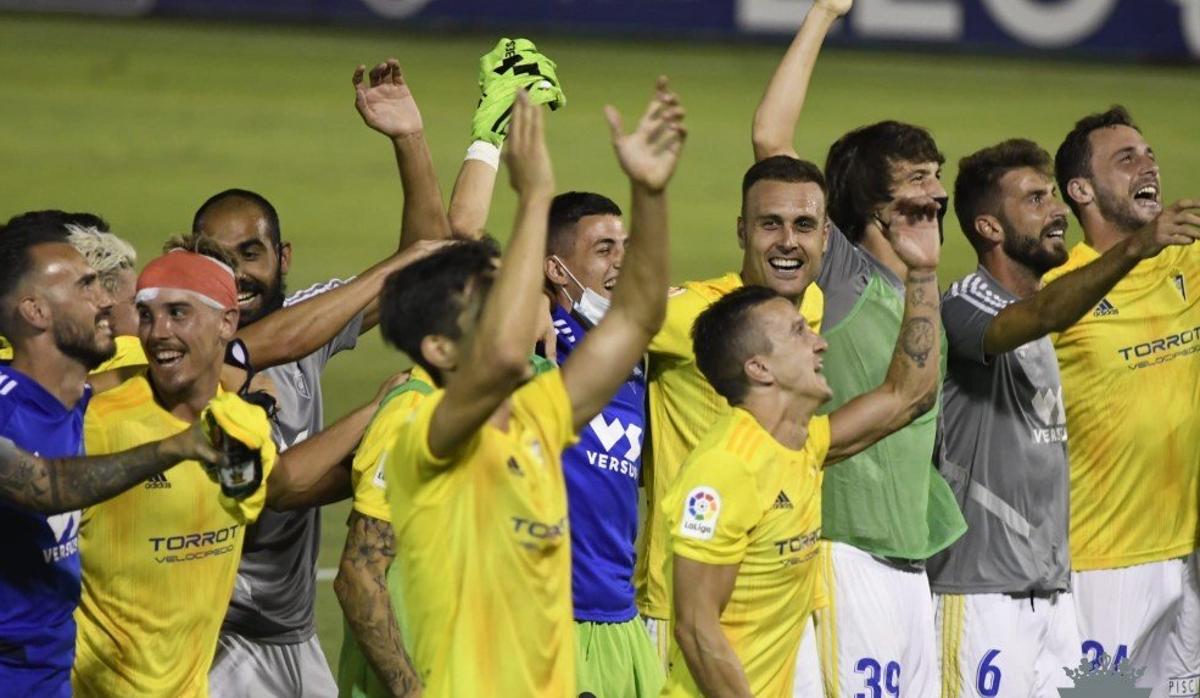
(1147, 614)
(808, 682)
(877, 636)
(1004, 645)
(1168, 646)
(243, 668)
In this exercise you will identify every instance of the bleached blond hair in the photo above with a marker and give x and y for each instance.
(108, 254)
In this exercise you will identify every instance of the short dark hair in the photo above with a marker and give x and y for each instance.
(16, 245)
(1074, 156)
(977, 186)
(61, 219)
(723, 338)
(426, 297)
(781, 168)
(859, 170)
(258, 200)
(566, 210)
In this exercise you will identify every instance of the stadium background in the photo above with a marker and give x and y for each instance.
(141, 120)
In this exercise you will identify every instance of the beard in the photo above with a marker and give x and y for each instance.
(1118, 210)
(1029, 251)
(272, 298)
(80, 343)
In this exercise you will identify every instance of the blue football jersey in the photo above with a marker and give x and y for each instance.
(40, 578)
(602, 473)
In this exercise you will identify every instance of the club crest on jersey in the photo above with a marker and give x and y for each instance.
(701, 508)
(380, 480)
(302, 385)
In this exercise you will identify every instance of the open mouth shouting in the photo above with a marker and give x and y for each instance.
(1056, 230)
(1146, 195)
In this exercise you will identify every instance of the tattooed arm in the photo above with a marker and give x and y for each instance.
(910, 388)
(55, 485)
(361, 588)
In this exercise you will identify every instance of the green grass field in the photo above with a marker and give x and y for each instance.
(142, 120)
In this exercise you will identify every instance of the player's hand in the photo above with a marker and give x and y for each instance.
(394, 381)
(512, 66)
(837, 7)
(419, 250)
(911, 227)
(193, 444)
(387, 105)
(525, 151)
(1178, 224)
(649, 154)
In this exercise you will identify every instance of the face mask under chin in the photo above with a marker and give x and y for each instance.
(590, 306)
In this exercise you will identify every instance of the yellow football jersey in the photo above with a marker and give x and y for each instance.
(129, 353)
(484, 552)
(369, 474)
(6, 353)
(159, 562)
(683, 408)
(1131, 382)
(744, 499)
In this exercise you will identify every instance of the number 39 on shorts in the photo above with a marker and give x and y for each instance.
(879, 679)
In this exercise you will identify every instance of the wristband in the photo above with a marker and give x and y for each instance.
(484, 152)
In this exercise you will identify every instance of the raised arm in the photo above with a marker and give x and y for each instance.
(513, 65)
(648, 156)
(387, 105)
(701, 592)
(316, 471)
(361, 588)
(777, 114)
(1063, 301)
(55, 485)
(910, 388)
(495, 360)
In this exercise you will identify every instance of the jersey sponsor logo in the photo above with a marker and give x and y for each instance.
(610, 435)
(1161, 350)
(538, 535)
(1180, 286)
(194, 546)
(782, 501)
(701, 509)
(799, 544)
(1049, 408)
(1105, 308)
(158, 481)
(65, 528)
(1183, 686)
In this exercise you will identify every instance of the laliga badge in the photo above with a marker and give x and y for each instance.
(701, 507)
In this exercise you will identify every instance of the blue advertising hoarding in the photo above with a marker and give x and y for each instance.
(1150, 29)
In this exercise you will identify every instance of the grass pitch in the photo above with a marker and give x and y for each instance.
(142, 120)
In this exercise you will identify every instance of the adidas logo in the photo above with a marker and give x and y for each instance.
(158, 481)
(782, 501)
(1105, 308)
